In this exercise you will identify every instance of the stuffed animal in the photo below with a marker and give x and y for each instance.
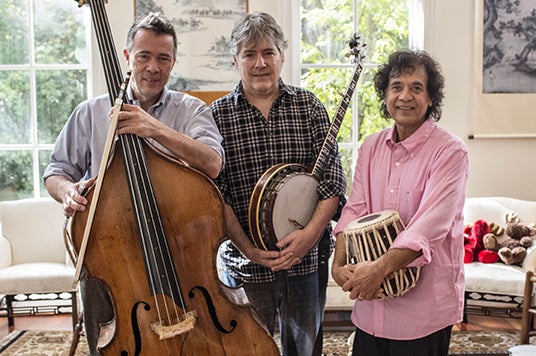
(511, 248)
(474, 243)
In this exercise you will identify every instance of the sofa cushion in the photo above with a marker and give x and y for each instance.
(34, 228)
(37, 278)
(496, 278)
(494, 209)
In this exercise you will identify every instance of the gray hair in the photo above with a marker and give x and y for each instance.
(252, 27)
(155, 22)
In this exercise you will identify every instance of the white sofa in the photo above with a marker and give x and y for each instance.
(34, 265)
(487, 285)
(497, 284)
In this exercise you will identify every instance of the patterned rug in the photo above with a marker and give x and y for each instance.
(40, 343)
(37, 343)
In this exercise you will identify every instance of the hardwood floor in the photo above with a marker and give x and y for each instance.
(37, 322)
(64, 322)
(483, 322)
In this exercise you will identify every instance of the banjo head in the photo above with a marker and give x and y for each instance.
(283, 201)
(294, 204)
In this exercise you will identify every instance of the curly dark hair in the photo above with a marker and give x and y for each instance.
(409, 60)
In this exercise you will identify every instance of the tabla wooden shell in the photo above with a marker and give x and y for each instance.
(369, 237)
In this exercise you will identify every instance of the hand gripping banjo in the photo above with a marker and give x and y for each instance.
(285, 196)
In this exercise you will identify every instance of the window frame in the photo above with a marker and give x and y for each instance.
(34, 147)
(418, 11)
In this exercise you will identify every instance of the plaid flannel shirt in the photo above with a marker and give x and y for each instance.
(294, 133)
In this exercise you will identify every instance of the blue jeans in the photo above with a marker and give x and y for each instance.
(294, 302)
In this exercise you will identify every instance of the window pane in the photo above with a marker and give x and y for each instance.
(370, 120)
(58, 92)
(15, 122)
(327, 25)
(346, 158)
(384, 25)
(59, 32)
(15, 175)
(14, 32)
(44, 159)
(329, 85)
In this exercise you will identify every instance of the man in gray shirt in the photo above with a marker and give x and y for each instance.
(178, 124)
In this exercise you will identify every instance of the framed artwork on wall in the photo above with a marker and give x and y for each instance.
(509, 48)
(204, 63)
(505, 69)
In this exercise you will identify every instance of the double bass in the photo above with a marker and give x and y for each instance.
(151, 235)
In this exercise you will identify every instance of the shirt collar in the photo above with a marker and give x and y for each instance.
(284, 90)
(159, 102)
(416, 140)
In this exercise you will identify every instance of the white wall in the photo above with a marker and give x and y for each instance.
(497, 166)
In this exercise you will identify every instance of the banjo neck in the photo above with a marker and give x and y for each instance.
(329, 142)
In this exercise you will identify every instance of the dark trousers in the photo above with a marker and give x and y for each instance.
(98, 309)
(436, 344)
(323, 275)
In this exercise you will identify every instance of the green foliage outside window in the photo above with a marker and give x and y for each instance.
(58, 92)
(326, 28)
(327, 25)
(15, 175)
(14, 32)
(37, 94)
(15, 109)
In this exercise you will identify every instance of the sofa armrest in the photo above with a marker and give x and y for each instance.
(529, 263)
(5, 252)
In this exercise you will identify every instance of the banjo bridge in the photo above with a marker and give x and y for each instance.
(297, 224)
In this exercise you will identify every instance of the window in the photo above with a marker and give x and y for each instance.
(43, 75)
(326, 27)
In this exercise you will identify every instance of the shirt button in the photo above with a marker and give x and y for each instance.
(391, 191)
(397, 164)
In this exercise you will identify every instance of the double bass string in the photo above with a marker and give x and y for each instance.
(161, 277)
(161, 274)
(132, 146)
(106, 48)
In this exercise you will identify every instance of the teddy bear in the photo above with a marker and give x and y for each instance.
(511, 248)
(474, 249)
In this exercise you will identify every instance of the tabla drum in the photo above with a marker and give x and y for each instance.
(368, 238)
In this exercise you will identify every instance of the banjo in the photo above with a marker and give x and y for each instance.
(285, 196)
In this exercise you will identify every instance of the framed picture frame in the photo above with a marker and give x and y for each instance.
(204, 65)
(505, 70)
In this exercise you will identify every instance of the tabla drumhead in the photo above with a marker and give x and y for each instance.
(370, 220)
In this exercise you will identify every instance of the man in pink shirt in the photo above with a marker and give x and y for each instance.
(419, 170)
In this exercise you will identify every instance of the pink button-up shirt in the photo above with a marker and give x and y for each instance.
(423, 178)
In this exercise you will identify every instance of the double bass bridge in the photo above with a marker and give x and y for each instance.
(169, 331)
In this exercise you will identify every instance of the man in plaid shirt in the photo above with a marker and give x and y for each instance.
(265, 122)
